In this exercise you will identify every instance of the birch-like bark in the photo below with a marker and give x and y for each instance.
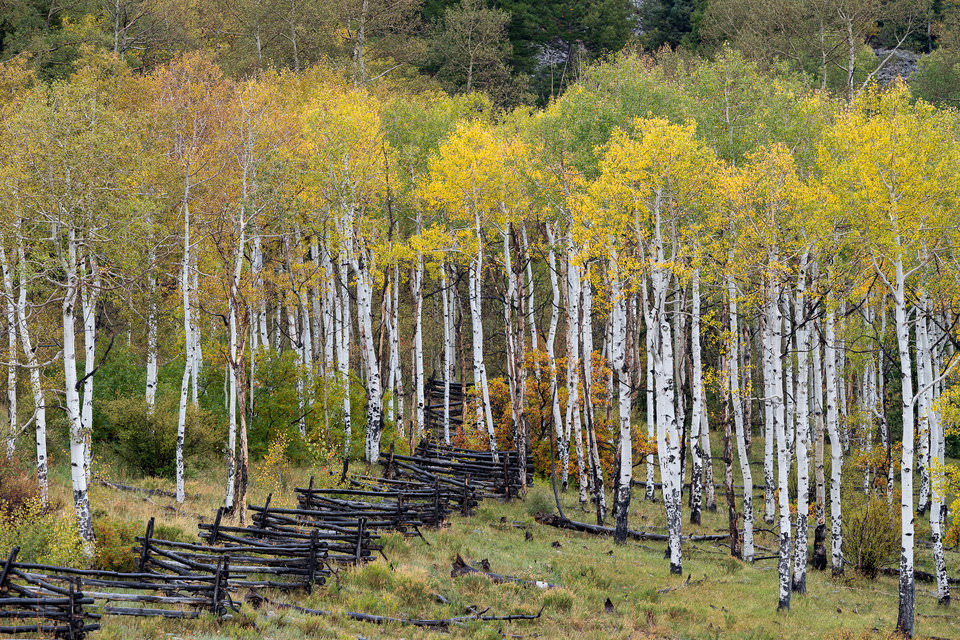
(573, 367)
(484, 411)
(551, 342)
(416, 285)
(593, 451)
(362, 267)
(923, 425)
(89, 293)
(618, 360)
(927, 383)
(447, 304)
(649, 387)
(189, 370)
(773, 365)
(836, 445)
(531, 315)
(12, 356)
(907, 594)
(343, 324)
(33, 365)
(515, 352)
(736, 400)
(81, 499)
(668, 433)
(769, 507)
(395, 351)
(150, 394)
(799, 583)
(697, 409)
(817, 404)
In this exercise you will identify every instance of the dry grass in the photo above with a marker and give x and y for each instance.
(725, 598)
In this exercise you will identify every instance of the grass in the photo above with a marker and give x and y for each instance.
(725, 597)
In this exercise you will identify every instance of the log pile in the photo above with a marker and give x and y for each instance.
(32, 605)
(484, 473)
(294, 565)
(404, 509)
(433, 411)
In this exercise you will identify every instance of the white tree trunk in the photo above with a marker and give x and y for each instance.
(552, 339)
(768, 426)
(736, 400)
(89, 293)
(799, 583)
(836, 445)
(928, 414)
(416, 285)
(78, 477)
(573, 367)
(618, 360)
(12, 357)
(395, 350)
(151, 386)
(586, 340)
(447, 303)
(697, 409)
(649, 377)
(189, 370)
(905, 611)
(33, 365)
(773, 366)
(484, 411)
(362, 266)
(343, 328)
(668, 433)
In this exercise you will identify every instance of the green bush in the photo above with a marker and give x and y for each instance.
(872, 532)
(44, 534)
(147, 443)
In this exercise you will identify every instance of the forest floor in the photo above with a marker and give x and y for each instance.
(716, 597)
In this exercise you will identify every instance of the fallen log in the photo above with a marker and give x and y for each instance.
(921, 576)
(461, 568)
(119, 486)
(565, 523)
(257, 599)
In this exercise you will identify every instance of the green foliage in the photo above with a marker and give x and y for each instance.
(937, 78)
(871, 532)
(671, 22)
(147, 443)
(45, 535)
(276, 407)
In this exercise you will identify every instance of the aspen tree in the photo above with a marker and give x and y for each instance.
(890, 161)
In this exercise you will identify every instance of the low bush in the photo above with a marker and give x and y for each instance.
(872, 532)
(16, 486)
(115, 542)
(147, 442)
(44, 534)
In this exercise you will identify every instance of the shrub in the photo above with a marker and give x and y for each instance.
(45, 535)
(873, 532)
(115, 541)
(147, 443)
(16, 487)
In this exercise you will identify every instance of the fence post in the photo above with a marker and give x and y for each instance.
(145, 552)
(361, 525)
(263, 514)
(11, 559)
(215, 531)
(312, 569)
